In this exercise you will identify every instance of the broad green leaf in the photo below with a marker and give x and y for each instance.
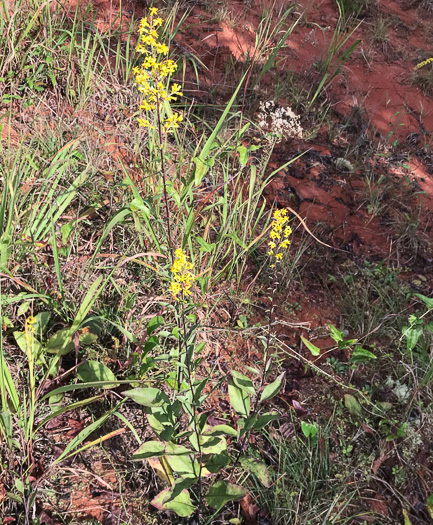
(265, 419)
(181, 504)
(272, 390)
(239, 400)
(86, 338)
(412, 336)
(243, 382)
(60, 343)
(308, 429)
(148, 397)
(150, 449)
(19, 485)
(154, 324)
(209, 444)
(96, 371)
(216, 462)
(181, 460)
(312, 348)
(258, 468)
(42, 320)
(352, 405)
(219, 430)
(28, 344)
(222, 492)
(151, 343)
(161, 423)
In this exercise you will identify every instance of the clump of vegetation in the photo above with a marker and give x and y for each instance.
(147, 343)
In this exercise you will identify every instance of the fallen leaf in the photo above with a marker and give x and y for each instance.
(300, 411)
(249, 509)
(377, 504)
(378, 462)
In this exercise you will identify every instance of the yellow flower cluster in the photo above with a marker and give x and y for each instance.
(279, 235)
(182, 275)
(30, 324)
(424, 63)
(149, 77)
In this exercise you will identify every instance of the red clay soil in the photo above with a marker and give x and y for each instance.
(377, 79)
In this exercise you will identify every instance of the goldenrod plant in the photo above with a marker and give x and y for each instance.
(191, 451)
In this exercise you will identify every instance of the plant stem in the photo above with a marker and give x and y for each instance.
(194, 415)
(167, 211)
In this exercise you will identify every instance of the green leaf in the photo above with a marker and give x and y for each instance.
(243, 155)
(243, 382)
(259, 469)
(138, 205)
(209, 444)
(352, 405)
(361, 355)
(308, 429)
(96, 371)
(161, 423)
(312, 348)
(87, 338)
(202, 161)
(148, 397)
(219, 430)
(60, 343)
(180, 504)
(222, 492)
(150, 449)
(42, 320)
(205, 246)
(154, 324)
(19, 485)
(265, 419)
(181, 460)
(428, 301)
(412, 336)
(28, 344)
(239, 400)
(335, 334)
(272, 390)
(216, 462)
(151, 343)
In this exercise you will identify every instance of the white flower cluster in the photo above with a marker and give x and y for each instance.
(282, 123)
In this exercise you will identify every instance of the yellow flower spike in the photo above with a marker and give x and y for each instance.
(424, 63)
(182, 277)
(279, 234)
(150, 77)
(30, 324)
